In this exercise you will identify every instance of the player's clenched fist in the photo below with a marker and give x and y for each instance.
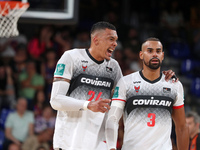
(101, 105)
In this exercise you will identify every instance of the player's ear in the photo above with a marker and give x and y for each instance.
(141, 55)
(95, 40)
(163, 55)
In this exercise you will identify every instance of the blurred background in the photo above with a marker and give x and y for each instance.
(48, 28)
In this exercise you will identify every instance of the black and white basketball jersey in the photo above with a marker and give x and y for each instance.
(90, 80)
(147, 111)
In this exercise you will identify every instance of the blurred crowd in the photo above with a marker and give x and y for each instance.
(27, 61)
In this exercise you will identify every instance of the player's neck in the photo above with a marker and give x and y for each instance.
(151, 74)
(94, 54)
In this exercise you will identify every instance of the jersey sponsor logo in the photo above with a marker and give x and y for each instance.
(152, 101)
(90, 80)
(145, 101)
(84, 64)
(137, 88)
(84, 61)
(96, 82)
(166, 90)
(135, 82)
(108, 69)
(84, 67)
(59, 69)
(116, 92)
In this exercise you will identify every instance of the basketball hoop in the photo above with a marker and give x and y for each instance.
(10, 12)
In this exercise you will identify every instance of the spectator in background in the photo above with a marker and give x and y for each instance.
(41, 148)
(38, 45)
(47, 120)
(6, 49)
(131, 51)
(8, 46)
(19, 61)
(41, 140)
(118, 55)
(64, 40)
(39, 103)
(47, 70)
(133, 39)
(195, 15)
(196, 43)
(14, 146)
(7, 91)
(172, 21)
(192, 120)
(82, 40)
(29, 82)
(19, 124)
(112, 17)
(132, 59)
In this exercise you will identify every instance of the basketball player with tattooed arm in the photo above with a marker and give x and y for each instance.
(81, 92)
(148, 103)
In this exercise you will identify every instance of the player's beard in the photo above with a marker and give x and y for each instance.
(153, 66)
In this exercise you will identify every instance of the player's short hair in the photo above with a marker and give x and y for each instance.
(102, 25)
(151, 39)
(193, 115)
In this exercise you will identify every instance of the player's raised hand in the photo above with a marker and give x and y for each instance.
(169, 74)
(101, 105)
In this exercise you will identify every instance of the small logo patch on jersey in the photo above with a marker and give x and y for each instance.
(137, 88)
(84, 61)
(108, 69)
(84, 64)
(166, 90)
(136, 82)
(84, 67)
(60, 69)
(116, 92)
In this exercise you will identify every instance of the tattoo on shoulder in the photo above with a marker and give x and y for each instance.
(61, 79)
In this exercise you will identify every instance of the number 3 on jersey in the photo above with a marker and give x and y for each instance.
(152, 117)
(93, 94)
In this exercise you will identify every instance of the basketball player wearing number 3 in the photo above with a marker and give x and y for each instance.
(148, 104)
(81, 92)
